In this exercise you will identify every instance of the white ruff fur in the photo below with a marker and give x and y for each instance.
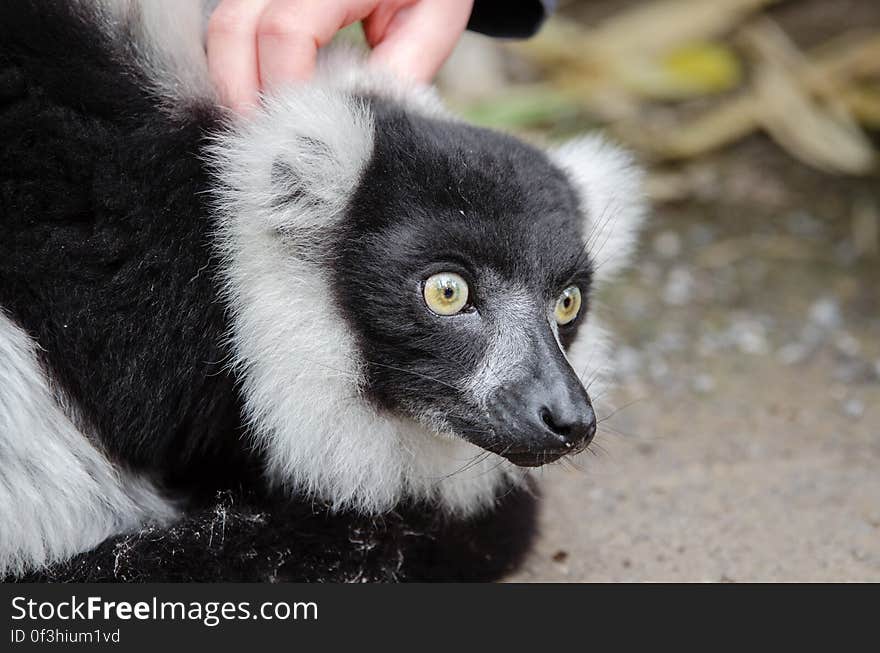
(59, 495)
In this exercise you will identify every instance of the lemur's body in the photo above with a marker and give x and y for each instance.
(211, 363)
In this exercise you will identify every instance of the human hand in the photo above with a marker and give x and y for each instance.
(255, 45)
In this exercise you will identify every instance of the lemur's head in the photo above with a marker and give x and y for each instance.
(405, 286)
(462, 269)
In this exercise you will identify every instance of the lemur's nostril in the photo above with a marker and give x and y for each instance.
(553, 424)
(571, 427)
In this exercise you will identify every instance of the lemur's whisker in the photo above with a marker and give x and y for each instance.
(600, 448)
(611, 210)
(584, 251)
(462, 365)
(501, 461)
(467, 465)
(473, 462)
(427, 377)
(624, 436)
(343, 373)
(573, 465)
(597, 229)
(595, 376)
(617, 410)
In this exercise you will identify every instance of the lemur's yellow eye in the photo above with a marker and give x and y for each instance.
(446, 293)
(568, 305)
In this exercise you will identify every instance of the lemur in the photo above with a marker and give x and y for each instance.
(326, 341)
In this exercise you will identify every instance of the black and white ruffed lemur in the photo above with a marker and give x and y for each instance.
(322, 342)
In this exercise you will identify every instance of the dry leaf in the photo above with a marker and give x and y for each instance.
(818, 129)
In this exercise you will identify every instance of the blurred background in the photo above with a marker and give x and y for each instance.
(743, 440)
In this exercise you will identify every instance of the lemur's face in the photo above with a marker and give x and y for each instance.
(464, 271)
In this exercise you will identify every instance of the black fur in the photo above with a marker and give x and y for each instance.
(105, 257)
(245, 537)
(106, 261)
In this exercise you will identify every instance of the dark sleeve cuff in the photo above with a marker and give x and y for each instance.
(517, 19)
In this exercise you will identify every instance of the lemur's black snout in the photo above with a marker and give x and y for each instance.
(557, 419)
(547, 415)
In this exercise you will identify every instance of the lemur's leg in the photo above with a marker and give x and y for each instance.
(236, 539)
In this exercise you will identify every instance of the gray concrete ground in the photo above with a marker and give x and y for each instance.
(750, 334)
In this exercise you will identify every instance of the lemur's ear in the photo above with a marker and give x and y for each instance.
(294, 164)
(612, 199)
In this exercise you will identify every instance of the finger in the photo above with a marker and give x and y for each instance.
(290, 32)
(377, 23)
(232, 52)
(421, 37)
